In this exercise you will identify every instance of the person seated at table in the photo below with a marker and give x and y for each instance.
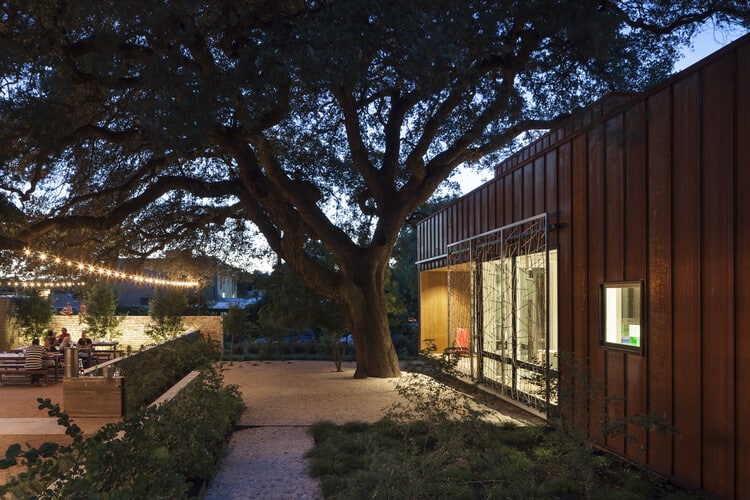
(49, 341)
(84, 349)
(63, 340)
(35, 359)
(67, 310)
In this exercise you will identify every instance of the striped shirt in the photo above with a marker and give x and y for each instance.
(34, 356)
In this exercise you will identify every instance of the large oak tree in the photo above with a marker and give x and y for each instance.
(147, 125)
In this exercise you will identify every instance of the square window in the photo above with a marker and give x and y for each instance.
(622, 318)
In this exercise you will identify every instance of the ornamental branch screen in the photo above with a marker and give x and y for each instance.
(499, 311)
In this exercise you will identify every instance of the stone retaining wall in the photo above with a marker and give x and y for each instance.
(133, 328)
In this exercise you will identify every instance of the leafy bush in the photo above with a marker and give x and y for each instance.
(235, 324)
(166, 310)
(33, 315)
(159, 452)
(150, 372)
(100, 318)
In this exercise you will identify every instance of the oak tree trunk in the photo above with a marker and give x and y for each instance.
(368, 319)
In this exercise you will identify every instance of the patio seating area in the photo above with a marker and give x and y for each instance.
(13, 368)
(13, 364)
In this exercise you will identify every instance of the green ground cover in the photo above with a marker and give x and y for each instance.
(439, 443)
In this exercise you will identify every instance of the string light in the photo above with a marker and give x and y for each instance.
(44, 284)
(102, 271)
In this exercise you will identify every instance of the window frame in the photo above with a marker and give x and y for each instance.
(603, 342)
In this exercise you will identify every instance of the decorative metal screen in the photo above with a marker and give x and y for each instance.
(499, 311)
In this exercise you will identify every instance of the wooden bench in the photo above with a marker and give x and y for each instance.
(20, 369)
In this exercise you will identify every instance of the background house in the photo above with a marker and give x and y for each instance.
(219, 283)
(607, 263)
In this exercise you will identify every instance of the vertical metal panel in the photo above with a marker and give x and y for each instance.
(659, 333)
(551, 183)
(480, 210)
(579, 250)
(615, 395)
(518, 194)
(429, 243)
(508, 215)
(559, 167)
(742, 273)
(537, 204)
(467, 223)
(686, 280)
(459, 212)
(563, 218)
(453, 217)
(595, 266)
(634, 214)
(441, 237)
(435, 236)
(612, 246)
(717, 278)
(492, 204)
(634, 256)
(614, 199)
(500, 202)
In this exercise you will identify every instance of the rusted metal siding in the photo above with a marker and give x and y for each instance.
(742, 273)
(659, 356)
(656, 191)
(717, 274)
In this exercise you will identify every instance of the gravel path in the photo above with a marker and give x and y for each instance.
(265, 456)
(266, 462)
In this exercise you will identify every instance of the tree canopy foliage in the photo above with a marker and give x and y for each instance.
(33, 315)
(132, 127)
(100, 319)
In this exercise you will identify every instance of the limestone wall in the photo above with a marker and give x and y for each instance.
(133, 328)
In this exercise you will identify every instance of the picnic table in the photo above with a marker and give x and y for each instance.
(107, 349)
(14, 363)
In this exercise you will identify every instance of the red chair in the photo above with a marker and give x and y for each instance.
(461, 344)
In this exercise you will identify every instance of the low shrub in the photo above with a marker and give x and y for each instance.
(164, 452)
(438, 443)
(239, 348)
(150, 372)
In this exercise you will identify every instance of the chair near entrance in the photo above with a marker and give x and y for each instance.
(460, 345)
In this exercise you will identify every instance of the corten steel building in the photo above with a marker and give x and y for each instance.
(604, 273)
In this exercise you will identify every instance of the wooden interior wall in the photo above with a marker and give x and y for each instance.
(433, 310)
(658, 193)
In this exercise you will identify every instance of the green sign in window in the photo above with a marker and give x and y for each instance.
(621, 315)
